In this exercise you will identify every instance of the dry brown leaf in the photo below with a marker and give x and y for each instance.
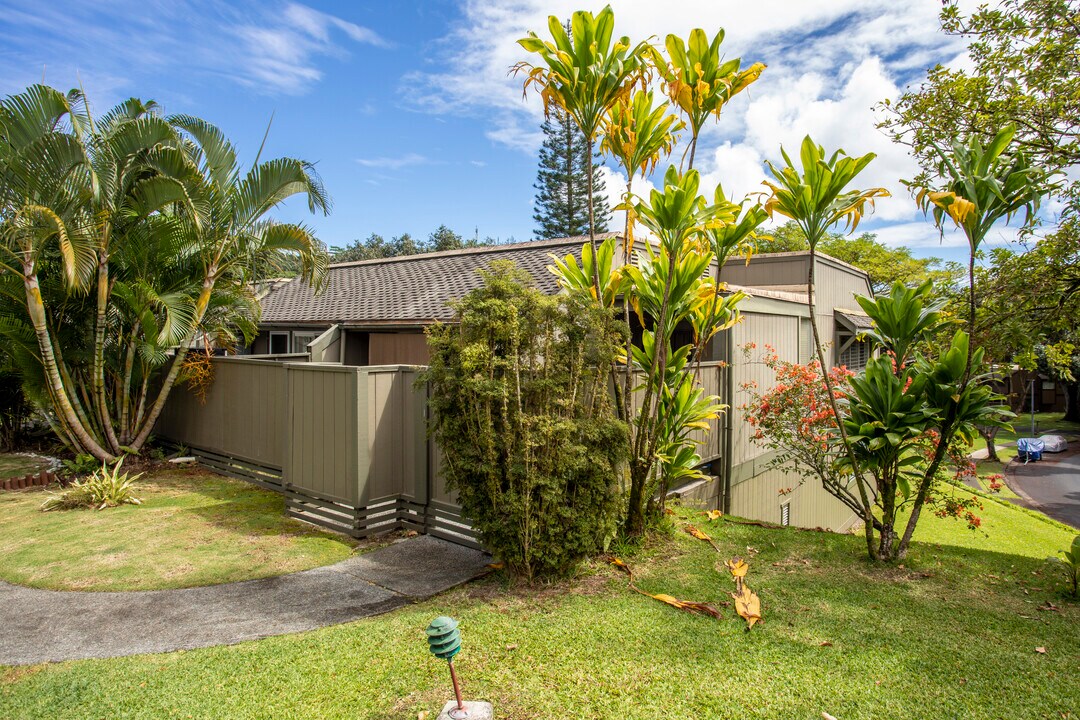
(701, 536)
(422, 715)
(669, 511)
(496, 565)
(714, 514)
(748, 606)
(1040, 650)
(698, 608)
(827, 716)
(825, 643)
(622, 566)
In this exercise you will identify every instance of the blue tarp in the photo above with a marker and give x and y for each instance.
(1029, 449)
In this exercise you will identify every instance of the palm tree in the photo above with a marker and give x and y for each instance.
(132, 235)
(233, 236)
(981, 186)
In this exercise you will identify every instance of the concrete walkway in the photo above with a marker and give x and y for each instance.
(48, 626)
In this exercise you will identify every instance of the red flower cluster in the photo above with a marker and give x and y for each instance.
(795, 412)
(960, 508)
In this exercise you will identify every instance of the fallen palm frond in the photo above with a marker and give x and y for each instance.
(738, 568)
(691, 606)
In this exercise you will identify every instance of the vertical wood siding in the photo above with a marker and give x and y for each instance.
(244, 413)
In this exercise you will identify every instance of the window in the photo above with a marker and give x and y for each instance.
(300, 341)
(855, 353)
(279, 343)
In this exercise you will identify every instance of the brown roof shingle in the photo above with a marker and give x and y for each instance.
(416, 289)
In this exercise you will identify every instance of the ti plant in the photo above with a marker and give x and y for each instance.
(585, 73)
(698, 79)
(906, 409)
(667, 288)
(666, 285)
(1069, 563)
(636, 133)
(980, 186)
(816, 198)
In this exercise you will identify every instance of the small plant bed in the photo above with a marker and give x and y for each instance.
(192, 528)
(839, 636)
(20, 464)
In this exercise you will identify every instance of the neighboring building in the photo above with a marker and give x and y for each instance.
(374, 312)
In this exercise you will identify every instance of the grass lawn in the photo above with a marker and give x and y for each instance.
(951, 634)
(20, 464)
(193, 528)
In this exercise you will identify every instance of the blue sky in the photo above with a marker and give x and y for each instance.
(408, 112)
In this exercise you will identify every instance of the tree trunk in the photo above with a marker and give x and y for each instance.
(867, 514)
(100, 402)
(52, 372)
(989, 434)
(1072, 402)
(628, 379)
(644, 447)
(592, 229)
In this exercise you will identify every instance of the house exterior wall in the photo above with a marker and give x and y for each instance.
(404, 348)
(756, 483)
(835, 285)
(261, 344)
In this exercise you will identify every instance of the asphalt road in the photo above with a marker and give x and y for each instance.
(1052, 485)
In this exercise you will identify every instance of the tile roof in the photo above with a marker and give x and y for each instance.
(413, 289)
(856, 320)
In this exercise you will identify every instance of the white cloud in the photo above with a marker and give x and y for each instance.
(272, 47)
(280, 50)
(830, 63)
(740, 168)
(393, 163)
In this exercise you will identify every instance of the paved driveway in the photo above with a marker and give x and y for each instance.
(1051, 485)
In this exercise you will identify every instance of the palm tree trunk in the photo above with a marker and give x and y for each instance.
(101, 403)
(52, 373)
(124, 400)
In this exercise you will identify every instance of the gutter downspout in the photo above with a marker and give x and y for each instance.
(729, 398)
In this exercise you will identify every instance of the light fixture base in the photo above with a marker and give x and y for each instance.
(476, 711)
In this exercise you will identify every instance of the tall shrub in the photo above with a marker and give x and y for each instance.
(523, 413)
